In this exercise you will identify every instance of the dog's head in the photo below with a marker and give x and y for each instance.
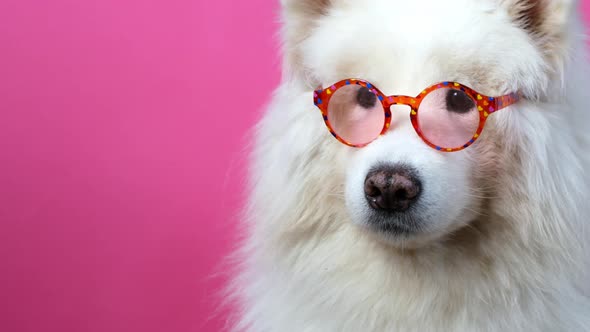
(397, 186)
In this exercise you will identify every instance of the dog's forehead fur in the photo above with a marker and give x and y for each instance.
(410, 44)
(461, 31)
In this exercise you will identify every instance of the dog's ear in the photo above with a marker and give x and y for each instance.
(540, 17)
(299, 19)
(547, 22)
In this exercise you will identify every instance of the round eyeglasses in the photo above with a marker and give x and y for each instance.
(448, 116)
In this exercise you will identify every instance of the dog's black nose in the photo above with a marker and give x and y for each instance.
(392, 188)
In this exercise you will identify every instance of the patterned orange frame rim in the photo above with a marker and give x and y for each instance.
(486, 105)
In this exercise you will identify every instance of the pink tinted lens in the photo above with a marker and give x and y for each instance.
(448, 118)
(356, 114)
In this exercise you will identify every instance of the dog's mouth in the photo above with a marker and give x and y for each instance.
(395, 224)
(414, 228)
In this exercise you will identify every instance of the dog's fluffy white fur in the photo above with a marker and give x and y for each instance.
(504, 245)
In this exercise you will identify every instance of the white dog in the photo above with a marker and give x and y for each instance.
(400, 234)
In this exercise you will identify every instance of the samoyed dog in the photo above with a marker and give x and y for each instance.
(423, 166)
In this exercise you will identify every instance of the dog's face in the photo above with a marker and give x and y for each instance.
(403, 47)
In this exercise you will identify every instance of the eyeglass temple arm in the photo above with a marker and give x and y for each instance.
(505, 101)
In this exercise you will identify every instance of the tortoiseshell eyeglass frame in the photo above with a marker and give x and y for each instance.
(486, 105)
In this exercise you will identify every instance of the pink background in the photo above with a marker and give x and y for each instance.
(121, 164)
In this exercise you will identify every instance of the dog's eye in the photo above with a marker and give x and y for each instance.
(366, 98)
(459, 102)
